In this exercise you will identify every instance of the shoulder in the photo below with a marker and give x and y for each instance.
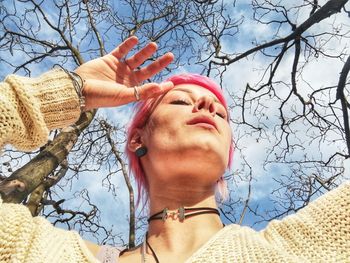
(94, 248)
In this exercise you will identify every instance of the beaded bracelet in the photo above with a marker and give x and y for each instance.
(78, 84)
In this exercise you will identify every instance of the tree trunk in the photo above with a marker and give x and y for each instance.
(21, 183)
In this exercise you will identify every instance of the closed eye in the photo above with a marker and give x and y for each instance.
(180, 102)
(223, 116)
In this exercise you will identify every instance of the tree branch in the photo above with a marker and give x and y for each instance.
(330, 8)
(344, 103)
(132, 222)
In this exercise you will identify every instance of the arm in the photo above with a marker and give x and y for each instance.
(318, 233)
(31, 107)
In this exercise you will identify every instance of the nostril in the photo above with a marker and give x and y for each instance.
(211, 108)
(200, 104)
(206, 103)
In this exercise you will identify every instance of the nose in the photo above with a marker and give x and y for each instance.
(205, 103)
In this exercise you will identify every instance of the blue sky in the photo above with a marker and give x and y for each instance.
(253, 146)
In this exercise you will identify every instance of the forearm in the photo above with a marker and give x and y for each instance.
(31, 107)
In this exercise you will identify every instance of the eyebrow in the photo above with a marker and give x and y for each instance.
(190, 91)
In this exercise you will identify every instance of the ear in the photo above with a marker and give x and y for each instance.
(135, 140)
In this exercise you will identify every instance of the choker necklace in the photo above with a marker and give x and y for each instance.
(182, 213)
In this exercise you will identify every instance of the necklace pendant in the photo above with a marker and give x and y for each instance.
(181, 212)
(164, 214)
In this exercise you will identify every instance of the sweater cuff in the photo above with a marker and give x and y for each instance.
(49, 98)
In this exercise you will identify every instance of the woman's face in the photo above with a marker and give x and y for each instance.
(186, 134)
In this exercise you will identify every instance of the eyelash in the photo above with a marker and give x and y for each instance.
(180, 102)
(223, 116)
(185, 102)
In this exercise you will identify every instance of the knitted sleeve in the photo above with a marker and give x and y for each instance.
(31, 107)
(321, 230)
(24, 238)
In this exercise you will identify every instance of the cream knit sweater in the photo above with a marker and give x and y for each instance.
(29, 108)
(318, 233)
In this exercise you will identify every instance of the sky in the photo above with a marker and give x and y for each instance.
(320, 72)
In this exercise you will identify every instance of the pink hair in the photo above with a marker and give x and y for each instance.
(142, 112)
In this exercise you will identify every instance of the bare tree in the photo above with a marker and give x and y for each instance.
(303, 124)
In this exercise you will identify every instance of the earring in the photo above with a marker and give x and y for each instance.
(141, 151)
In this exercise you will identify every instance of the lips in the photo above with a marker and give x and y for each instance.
(204, 121)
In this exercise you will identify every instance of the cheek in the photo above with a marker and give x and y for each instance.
(228, 140)
(161, 128)
(229, 137)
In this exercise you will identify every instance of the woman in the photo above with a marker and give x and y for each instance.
(187, 136)
(179, 147)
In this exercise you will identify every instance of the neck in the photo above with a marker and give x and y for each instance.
(182, 236)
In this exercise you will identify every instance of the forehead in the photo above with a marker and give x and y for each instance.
(193, 89)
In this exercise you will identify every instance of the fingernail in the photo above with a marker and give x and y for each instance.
(170, 53)
(154, 44)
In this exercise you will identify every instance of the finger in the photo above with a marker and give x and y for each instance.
(151, 90)
(98, 94)
(155, 67)
(124, 48)
(141, 56)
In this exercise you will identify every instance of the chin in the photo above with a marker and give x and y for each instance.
(210, 149)
(204, 155)
(206, 161)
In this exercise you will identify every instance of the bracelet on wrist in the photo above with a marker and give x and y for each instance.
(78, 84)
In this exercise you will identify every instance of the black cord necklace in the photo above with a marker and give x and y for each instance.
(182, 213)
(153, 253)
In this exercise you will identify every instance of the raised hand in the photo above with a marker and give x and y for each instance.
(109, 80)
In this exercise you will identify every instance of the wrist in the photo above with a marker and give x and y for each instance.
(78, 84)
